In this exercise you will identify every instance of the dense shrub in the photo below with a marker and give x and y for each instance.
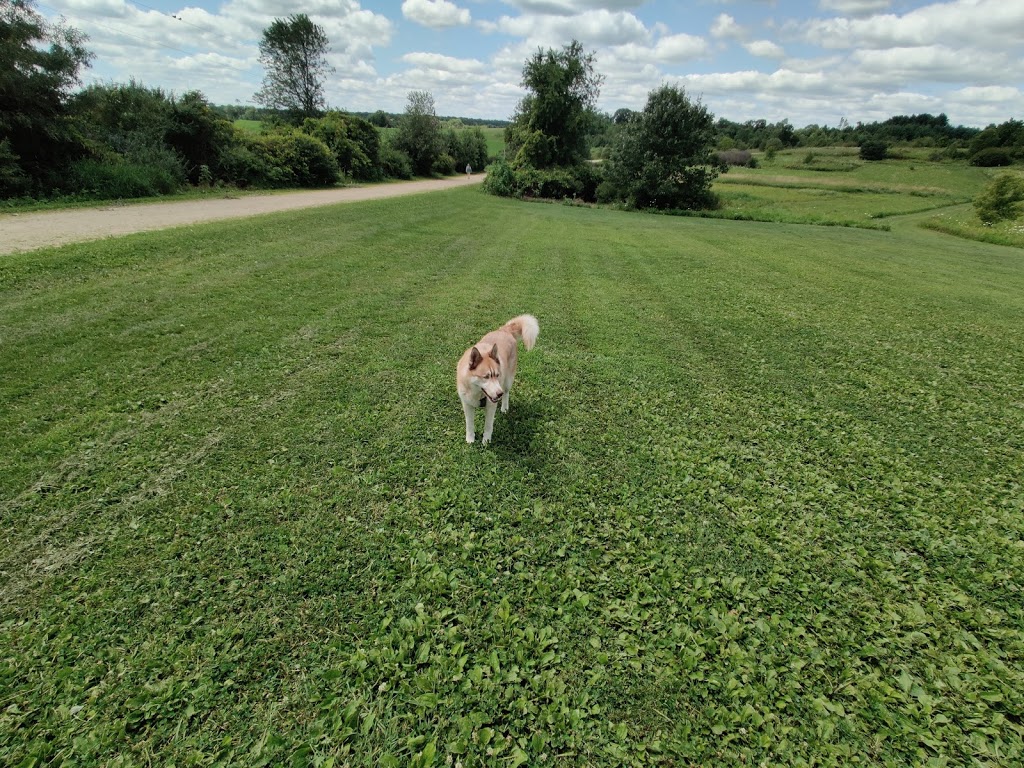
(576, 182)
(307, 159)
(444, 165)
(873, 150)
(742, 157)
(992, 157)
(198, 134)
(395, 164)
(280, 160)
(353, 141)
(13, 179)
(501, 180)
(1001, 199)
(122, 179)
(467, 146)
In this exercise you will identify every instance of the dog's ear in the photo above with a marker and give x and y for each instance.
(474, 358)
(494, 353)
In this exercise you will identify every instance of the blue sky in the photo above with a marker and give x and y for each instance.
(813, 61)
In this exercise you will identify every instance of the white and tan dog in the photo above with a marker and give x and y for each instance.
(486, 371)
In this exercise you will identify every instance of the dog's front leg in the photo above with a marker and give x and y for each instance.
(470, 412)
(489, 420)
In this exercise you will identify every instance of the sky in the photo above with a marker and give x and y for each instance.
(808, 61)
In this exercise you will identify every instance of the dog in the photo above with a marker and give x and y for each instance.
(486, 371)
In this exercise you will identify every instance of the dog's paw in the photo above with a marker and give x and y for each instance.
(470, 438)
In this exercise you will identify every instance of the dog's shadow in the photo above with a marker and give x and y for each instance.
(518, 432)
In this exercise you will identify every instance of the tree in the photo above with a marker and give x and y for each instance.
(1001, 199)
(873, 150)
(665, 158)
(354, 142)
(293, 52)
(380, 119)
(39, 67)
(198, 134)
(552, 122)
(419, 132)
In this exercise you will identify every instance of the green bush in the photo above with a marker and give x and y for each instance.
(121, 179)
(576, 182)
(395, 164)
(873, 150)
(279, 160)
(13, 180)
(243, 165)
(444, 164)
(992, 157)
(1001, 199)
(353, 141)
(501, 180)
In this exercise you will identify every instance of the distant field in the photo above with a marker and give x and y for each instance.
(251, 126)
(495, 141)
(861, 194)
(757, 502)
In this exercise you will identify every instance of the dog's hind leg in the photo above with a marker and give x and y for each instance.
(489, 411)
(470, 412)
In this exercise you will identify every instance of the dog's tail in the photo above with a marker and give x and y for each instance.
(524, 328)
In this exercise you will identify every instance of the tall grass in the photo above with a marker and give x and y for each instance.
(757, 500)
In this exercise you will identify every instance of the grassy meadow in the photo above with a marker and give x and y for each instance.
(757, 502)
(838, 189)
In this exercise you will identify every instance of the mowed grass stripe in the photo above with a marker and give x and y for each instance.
(757, 498)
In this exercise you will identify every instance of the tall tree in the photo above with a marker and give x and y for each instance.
(419, 132)
(553, 120)
(39, 67)
(665, 156)
(293, 52)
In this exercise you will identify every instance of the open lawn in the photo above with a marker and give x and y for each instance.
(758, 500)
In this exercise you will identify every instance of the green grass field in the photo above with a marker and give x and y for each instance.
(250, 126)
(757, 502)
(838, 189)
(495, 140)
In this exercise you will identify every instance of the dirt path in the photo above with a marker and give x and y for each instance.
(28, 231)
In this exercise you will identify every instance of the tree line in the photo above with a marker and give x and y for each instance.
(129, 140)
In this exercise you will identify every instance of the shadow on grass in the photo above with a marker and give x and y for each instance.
(519, 434)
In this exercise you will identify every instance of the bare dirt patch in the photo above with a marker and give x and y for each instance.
(29, 231)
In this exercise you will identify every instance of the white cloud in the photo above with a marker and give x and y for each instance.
(963, 21)
(725, 26)
(854, 7)
(435, 13)
(442, 63)
(591, 28)
(572, 7)
(934, 63)
(765, 49)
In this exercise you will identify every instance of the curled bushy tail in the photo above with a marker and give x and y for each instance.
(524, 328)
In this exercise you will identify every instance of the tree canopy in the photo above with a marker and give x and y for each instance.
(665, 158)
(552, 122)
(419, 132)
(293, 52)
(39, 67)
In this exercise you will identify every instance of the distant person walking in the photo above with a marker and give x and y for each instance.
(469, 170)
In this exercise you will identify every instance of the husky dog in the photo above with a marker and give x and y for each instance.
(486, 371)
